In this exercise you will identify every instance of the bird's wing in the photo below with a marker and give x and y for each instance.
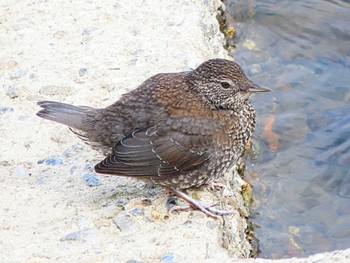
(154, 152)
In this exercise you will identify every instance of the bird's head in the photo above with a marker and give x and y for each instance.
(222, 83)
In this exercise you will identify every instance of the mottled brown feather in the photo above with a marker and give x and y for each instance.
(148, 154)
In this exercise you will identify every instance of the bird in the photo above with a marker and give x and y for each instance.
(176, 130)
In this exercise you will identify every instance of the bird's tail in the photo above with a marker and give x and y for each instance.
(63, 113)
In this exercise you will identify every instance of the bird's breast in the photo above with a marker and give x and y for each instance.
(237, 127)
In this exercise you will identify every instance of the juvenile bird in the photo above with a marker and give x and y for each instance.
(177, 130)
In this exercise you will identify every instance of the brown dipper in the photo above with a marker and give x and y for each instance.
(177, 130)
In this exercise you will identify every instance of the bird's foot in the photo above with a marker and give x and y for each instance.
(214, 185)
(206, 209)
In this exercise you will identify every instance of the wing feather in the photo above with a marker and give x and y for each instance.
(147, 153)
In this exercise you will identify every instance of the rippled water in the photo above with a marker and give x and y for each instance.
(301, 171)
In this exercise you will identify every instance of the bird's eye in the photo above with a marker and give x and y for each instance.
(225, 85)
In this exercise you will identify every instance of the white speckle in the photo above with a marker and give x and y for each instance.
(174, 181)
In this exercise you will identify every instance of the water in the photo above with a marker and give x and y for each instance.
(301, 171)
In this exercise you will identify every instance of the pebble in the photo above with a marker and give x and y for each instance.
(87, 235)
(121, 201)
(83, 71)
(28, 143)
(89, 167)
(11, 64)
(6, 110)
(123, 221)
(74, 236)
(60, 34)
(51, 161)
(91, 180)
(83, 222)
(73, 150)
(24, 118)
(137, 211)
(41, 179)
(73, 169)
(18, 74)
(171, 202)
(81, 169)
(87, 31)
(210, 224)
(20, 171)
(168, 258)
(188, 224)
(12, 91)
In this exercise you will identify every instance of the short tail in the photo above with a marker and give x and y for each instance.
(63, 113)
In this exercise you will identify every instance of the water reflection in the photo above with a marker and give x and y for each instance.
(301, 49)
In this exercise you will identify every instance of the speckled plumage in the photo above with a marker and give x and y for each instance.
(177, 130)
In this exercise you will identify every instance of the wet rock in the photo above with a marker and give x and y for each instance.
(344, 190)
(344, 209)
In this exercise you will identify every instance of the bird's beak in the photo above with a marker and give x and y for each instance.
(257, 88)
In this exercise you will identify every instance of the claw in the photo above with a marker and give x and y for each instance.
(208, 210)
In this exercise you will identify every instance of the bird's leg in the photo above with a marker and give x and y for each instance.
(206, 209)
